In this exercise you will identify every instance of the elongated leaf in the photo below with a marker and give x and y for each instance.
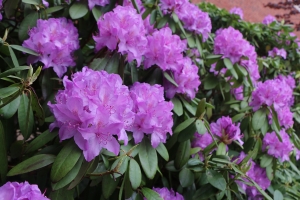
(178, 109)
(25, 50)
(184, 125)
(69, 177)
(278, 195)
(62, 194)
(37, 109)
(265, 161)
(216, 179)
(10, 109)
(183, 154)
(162, 150)
(13, 70)
(148, 158)
(25, 116)
(80, 174)
(34, 2)
(54, 9)
(205, 192)
(78, 10)
(150, 194)
(13, 57)
(40, 141)
(99, 63)
(3, 154)
(186, 177)
(135, 174)
(259, 118)
(8, 91)
(109, 185)
(187, 133)
(200, 126)
(201, 107)
(10, 7)
(31, 164)
(28, 22)
(228, 63)
(97, 12)
(65, 161)
(112, 66)
(170, 79)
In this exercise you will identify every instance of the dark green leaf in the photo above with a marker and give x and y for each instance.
(62, 194)
(80, 175)
(25, 116)
(201, 108)
(13, 57)
(205, 192)
(162, 150)
(146, 13)
(135, 5)
(34, 2)
(184, 125)
(178, 109)
(216, 179)
(10, 7)
(275, 124)
(148, 158)
(238, 117)
(265, 161)
(150, 194)
(153, 17)
(186, 177)
(3, 154)
(135, 174)
(31, 164)
(40, 141)
(13, 70)
(259, 118)
(53, 9)
(65, 161)
(27, 23)
(25, 50)
(187, 133)
(120, 165)
(10, 109)
(78, 10)
(109, 185)
(183, 154)
(8, 91)
(97, 12)
(37, 109)
(112, 66)
(210, 82)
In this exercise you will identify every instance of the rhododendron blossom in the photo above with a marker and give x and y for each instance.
(226, 130)
(202, 141)
(93, 108)
(122, 29)
(54, 40)
(153, 113)
(93, 3)
(277, 149)
(268, 19)
(277, 52)
(237, 11)
(21, 191)
(167, 194)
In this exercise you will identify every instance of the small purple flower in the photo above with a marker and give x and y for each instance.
(277, 149)
(171, 5)
(18, 191)
(237, 11)
(202, 141)
(153, 113)
(93, 3)
(226, 130)
(46, 4)
(277, 52)
(167, 194)
(268, 19)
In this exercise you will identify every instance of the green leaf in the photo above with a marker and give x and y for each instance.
(162, 150)
(24, 50)
(238, 117)
(278, 195)
(265, 161)
(150, 194)
(135, 174)
(97, 12)
(69, 177)
(259, 118)
(31, 164)
(182, 154)
(184, 125)
(162, 22)
(62, 194)
(153, 16)
(178, 109)
(109, 185)
(34, 2)
(216, 179)
(187, 133)
(146, 13)
(210, 82)
(221, 149)
(10, 109)
(148, 158)
(260, 189)
(27, 23)
(53, 9)
(13, 57)
(201, 108)
(199, 45)
(201, 129)
(3, 154)
(40, 141)
(12, 71)
(65, 161)
(205, 192)
(120, 165)
(135, 5)
(37, 109)
(10, 7)
(228, 63)
(25, 116)
(112, 66)
(170, 79)
(78, 10)
(83, 169)
(186, 177)
(275, 124)
(8, 91)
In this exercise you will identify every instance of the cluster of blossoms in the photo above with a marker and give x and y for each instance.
(20, 191)
(93, 3)
(257, 174)
(202, 141)
(167, 194)
(153, 113)
(268, 19)
(279, 93)
(192, 17)
(237, 11)
(54, 40)
(93, 107)
(277, 149)
(122, 29)
(277, 52)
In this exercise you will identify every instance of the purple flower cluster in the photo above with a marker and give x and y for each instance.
(277, 149)
(279, 93)
(277, 52)
(231, 44)
(54, 40)
(237, 11)
(257, 174)
(187, 79)
(93, 3)
(93, 108)
(268, 19)
(167, 194)
(226, 130)
(202, 141)
(192, 17)
(153, 113)
(20, 191)
(122, 29)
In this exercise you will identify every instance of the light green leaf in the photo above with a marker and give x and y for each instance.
(135, 174)
(13, 57)
(162, 150)
(216, 179)
(34, 2)
(13, 70)
(10, 109)
(186, 177)
(150, 194)
(8, 91)
(170, 79)
(53, 9)
(201, 129)
(278, 195)
(25, 50)
(148, 158)
(184, 125)
(78, 10)
(259, 118)
(178, 109)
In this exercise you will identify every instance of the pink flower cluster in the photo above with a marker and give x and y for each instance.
(279, 93)
(93, 3)
(20, 191)
(257, 174)
(237, 11)
(268, 19)
(153, 113)
(93, 108)
(54, 40)
(231, 44)
(277, 52)
(202, 141)
(167, 194)
(122, 29)
(277, 149)
(192, 17)
(226, 130)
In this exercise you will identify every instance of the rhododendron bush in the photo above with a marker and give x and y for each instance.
(146, 99)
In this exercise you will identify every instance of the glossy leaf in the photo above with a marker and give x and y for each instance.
(150, 194)
(183, 154)
(259, 118)
(40, 141)
(135, 174)
(78, 10)
(25, 116)
(186, 177)
(163, 152)
(148, 158)
(178, 109)
(109, 185)
(24, 50)
(3, 154)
